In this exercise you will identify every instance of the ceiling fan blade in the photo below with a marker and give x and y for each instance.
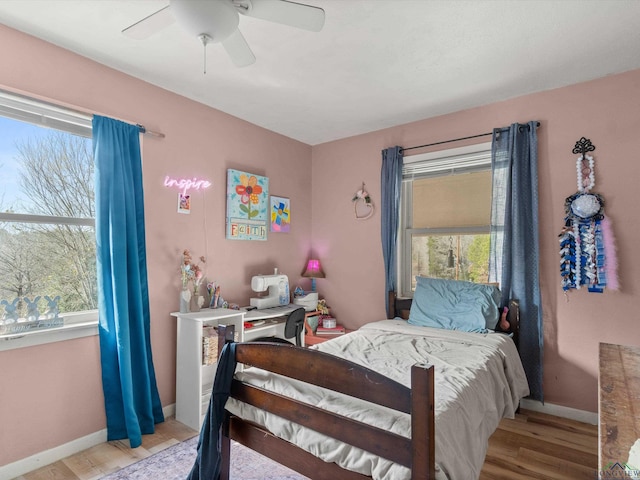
(293, 14)
(238, 49)
(149, 25)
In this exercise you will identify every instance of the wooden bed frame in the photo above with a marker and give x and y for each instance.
(327, 371)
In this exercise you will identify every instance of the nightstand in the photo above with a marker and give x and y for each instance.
(310, 338)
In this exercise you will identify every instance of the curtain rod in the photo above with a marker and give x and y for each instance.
(43, 108)
(450, 141)
(151, 133)
(142, 128)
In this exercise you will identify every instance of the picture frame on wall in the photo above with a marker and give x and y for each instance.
(184, 203)
(247, 206)
(280, 214)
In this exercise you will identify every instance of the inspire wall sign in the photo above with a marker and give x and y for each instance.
(247, 206)
(184, 185)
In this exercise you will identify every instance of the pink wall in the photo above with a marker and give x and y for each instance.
(607, 111)
(52, 394)
(49, 397)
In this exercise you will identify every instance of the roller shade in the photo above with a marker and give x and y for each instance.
(452, 201)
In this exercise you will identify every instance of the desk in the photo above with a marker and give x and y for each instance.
(264, 313)
(274, 319)
(619, 402)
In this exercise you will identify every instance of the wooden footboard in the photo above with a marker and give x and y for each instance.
(327, 371)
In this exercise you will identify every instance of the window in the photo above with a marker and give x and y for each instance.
(445, 216)
(47, 225)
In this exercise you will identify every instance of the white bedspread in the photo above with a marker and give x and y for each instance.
(479, 379)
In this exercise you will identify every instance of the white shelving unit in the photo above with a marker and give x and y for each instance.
(193, 379)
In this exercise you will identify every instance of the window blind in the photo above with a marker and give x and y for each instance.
(449, 165)
(44, 114)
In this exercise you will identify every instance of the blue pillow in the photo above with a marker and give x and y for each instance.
(455, 305)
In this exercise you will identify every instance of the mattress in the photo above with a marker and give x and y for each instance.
(479, 380)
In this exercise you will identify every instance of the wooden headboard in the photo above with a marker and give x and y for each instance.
(400, 307)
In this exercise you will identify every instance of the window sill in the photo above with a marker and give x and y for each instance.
(79, 325)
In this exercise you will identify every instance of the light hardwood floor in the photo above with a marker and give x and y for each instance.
(95, 462)
(531, 446)
(539, 446)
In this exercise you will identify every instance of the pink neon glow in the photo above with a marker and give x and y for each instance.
(313, 266)
(185, 184)
(313, 269)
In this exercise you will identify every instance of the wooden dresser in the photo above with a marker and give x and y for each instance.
(619, 402)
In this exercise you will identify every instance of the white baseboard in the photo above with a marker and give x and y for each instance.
(169, 411)
(560, 411)
(52, 455)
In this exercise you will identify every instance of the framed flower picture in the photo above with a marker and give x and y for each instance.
(247, 206)
(280, 214)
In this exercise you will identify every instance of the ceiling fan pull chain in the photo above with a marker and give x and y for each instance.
(204, 38)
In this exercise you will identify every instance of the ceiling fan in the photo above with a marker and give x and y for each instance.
(216, 21)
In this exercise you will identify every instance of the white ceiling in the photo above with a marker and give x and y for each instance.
(375, 64)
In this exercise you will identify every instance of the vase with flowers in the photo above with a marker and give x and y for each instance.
(192, 276)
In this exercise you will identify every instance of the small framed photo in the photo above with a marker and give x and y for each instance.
(184, 203)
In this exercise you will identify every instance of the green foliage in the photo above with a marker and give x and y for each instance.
(478, 255)
(430, 253)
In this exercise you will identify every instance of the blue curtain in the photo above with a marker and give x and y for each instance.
(132, 402)
(390, 181)
(514, 256)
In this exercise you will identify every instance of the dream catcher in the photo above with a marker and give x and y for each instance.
(587, 247)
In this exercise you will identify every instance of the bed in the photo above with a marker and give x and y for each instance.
(389, 401)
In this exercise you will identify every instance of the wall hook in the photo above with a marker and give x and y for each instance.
(583, 146)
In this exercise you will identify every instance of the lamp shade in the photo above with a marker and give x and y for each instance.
(313, 269)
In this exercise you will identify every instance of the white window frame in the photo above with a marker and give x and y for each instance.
(18, 107)
(441, 162)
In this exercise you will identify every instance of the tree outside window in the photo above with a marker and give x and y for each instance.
(47, 233)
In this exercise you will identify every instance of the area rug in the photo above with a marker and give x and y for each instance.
(175, 462)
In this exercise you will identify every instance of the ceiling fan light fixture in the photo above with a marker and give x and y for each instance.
(216, 19)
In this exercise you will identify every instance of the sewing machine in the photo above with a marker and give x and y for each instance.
(278, 290)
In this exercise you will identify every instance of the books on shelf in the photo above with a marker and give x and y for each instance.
(337, 330)
(209, 345)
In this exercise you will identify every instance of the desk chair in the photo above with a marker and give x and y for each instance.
(293, 327)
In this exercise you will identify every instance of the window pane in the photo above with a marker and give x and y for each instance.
(458, 257)
(446, 216)
(54, 260)
(47, 173)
